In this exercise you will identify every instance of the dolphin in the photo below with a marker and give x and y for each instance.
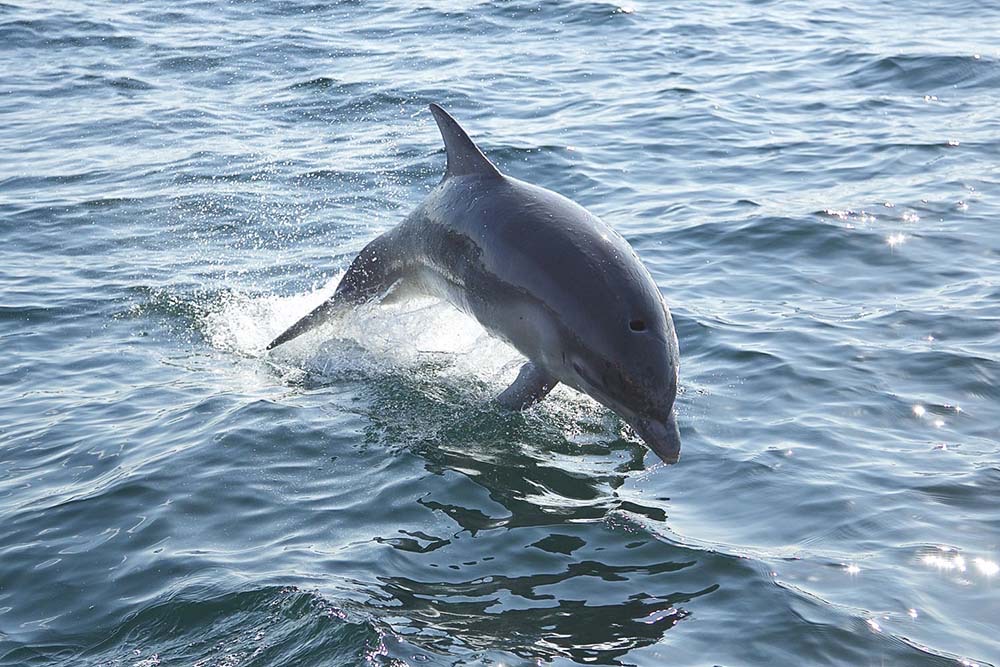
(538, 271)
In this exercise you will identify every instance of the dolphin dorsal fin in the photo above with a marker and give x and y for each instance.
(464, 157)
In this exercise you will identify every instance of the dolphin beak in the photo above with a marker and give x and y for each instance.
(664, 438)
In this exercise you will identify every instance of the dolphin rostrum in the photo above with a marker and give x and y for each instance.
(538, 271)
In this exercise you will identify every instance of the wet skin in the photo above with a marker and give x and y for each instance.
(540, 272)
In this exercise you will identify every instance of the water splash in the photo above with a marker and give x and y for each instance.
(439, 351)
(413, 334)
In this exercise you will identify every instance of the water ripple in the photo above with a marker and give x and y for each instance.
(812, 186)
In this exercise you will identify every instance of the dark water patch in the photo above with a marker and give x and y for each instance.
(763, 26)
(296, 9)
(128, 84)
(20, 33)
(978, 375)
(321, 83)
(927, 73)
(46, 182)
(61, 31)
(258, 627)
(109, 41)
(586, 14)
(814, 239)
(114, 202)
(968, 492)
(65, 85)
(363, 104)
(193, 63)
(36, 314)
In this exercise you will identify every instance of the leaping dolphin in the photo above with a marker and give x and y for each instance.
(538, 271)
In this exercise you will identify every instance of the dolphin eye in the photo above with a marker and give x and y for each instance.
(637, 325)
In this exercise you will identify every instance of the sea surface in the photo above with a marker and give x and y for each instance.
(814, 185)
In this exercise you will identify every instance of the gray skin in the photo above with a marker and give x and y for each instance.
(538, 271)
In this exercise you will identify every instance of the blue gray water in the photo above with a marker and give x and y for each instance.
(815, 186)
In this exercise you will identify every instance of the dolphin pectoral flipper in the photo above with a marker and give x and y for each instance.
(533, 383)
(401, 291)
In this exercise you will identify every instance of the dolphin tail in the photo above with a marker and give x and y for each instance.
(464, 157)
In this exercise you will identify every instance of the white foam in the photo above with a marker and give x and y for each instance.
(245, 324)
(414, 334)
(433, 343)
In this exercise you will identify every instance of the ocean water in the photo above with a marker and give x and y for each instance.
(815, 187)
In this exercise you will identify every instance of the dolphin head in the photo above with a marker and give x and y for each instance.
(628, 361)
(661, 436)
(603, 327)
(577, 301)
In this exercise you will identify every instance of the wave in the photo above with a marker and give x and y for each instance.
(927, 73)
(267, 626)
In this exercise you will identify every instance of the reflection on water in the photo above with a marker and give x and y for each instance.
(555, 466)
(546, 479)
(948, 560)
(587, 604)
(540, 547)
(519, 616)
